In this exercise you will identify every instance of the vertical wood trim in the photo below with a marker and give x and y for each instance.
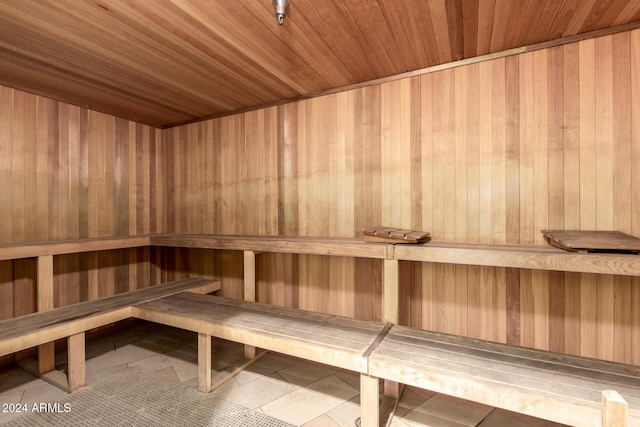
(45, 283)
(7, 121)
(605, 148)
(635, 184)
(390, 291)
(512, 150)
(249, 291)
(93, 276)
(513, 306)
(249, 276)
(6, 290)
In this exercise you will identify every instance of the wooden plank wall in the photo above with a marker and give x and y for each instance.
(489, 152)
(68, 172)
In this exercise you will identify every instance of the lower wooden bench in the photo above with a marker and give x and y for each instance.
(566, 389)
(72, 321)
(560, 388)
(332, 340)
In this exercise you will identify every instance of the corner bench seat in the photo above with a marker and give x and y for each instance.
(562, 388)
(23, 332)
(72, 321)
(332, 340)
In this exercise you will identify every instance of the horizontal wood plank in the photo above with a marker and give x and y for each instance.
(536, 257)
(279, 244)
(329, 339)
(520, 256)
(271, 310)
(536, 374)
(532, 382)
(34, 329)
(464, 344)
(62, 247)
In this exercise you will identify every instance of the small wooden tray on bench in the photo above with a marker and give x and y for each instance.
(592, 241)
(394, 235)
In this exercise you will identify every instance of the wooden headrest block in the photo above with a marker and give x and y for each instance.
(381, 234)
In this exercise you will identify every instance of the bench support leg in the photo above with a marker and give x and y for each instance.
(76, 368)
(369, 401)
(614, 409)
(204, 363)
(249, 291)
(46, 352)
(46, 358)
(93, 276)
(390, 299)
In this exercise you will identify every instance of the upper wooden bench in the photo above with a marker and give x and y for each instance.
(72, 321)
(535, 257)
(346, 247)
(574, 390)
(560, 388)
(10, 251)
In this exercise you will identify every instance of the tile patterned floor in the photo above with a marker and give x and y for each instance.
(299, 392)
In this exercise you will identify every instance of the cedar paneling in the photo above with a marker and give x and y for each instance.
(490, 152)
(67, 172)
(164, 63)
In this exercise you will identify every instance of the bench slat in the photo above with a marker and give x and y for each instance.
(566, 410)
(497, 372)
(507, 361)
(565, 359)
(328, 339)
(275, 323)
(245, 320)
(522, 380)
(519, 256)
(27, 331)
(346, 322)
(62, 247)
(347, 247)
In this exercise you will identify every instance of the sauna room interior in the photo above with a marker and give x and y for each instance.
(245, 147)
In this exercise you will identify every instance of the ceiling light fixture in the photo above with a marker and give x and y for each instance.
(281, 9)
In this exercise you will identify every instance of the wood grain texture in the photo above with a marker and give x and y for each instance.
(204, 363)
(76, 361)
(559, 388)
(337, 341)
(121, 58)
(483, 153)
(46, 352)
(506, 147)
(69, 173)
(614, 409)
(37, 328)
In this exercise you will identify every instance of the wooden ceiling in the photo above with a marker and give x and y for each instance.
(163, 62)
